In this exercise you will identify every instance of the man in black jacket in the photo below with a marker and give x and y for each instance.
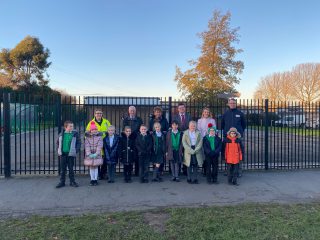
(233, 117)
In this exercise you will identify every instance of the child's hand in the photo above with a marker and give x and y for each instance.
(94, 155)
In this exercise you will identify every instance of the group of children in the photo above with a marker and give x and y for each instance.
(174, 146)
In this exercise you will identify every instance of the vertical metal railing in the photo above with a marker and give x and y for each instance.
(30, 125)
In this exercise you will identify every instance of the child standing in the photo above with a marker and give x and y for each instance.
(93, 148)
(110, 146)
(192, 143)
(212, 147)
(233, 154)
(68, 145)
(144, 148)
(127, 152)
(174, 150)
(159, 149)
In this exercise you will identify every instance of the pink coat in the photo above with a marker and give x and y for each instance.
(93, 144)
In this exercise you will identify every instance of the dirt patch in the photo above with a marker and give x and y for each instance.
(156, 220)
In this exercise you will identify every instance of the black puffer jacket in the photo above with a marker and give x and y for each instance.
(127, 149)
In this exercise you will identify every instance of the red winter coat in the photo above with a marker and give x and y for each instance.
(233, 150)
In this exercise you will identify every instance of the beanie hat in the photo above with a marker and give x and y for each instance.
(210, 126)
(93, 126)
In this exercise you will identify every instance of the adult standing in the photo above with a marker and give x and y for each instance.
(182, 117)
(134, 122)
(203, 122)
(202, 126)
(233, 118)
(159, 117)
(102, 125)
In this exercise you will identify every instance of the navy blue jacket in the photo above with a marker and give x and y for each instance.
(111, 152)
(207, 148)
(233, 118)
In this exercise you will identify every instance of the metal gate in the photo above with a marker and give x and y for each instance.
(279, 135)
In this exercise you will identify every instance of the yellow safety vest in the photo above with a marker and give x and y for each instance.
(103, 128)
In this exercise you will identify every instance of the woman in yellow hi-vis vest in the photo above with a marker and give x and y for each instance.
(101, 123)
(102, 126)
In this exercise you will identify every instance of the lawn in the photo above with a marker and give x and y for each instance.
(250, 221)
(291, 130)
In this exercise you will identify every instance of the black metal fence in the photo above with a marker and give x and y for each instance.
(279, 135)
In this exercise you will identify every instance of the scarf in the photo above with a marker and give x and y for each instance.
(211, 141)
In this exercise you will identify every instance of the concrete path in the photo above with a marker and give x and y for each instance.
(21, 196)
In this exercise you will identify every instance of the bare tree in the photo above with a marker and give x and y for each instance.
(306, 82)
(302, 83)
(274, 87)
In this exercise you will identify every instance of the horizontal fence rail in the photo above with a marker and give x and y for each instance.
(279, 135)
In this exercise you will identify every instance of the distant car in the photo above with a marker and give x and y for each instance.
(292, 121)
(313, 124)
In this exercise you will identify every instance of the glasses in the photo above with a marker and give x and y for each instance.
(99, 113)
(232, 133)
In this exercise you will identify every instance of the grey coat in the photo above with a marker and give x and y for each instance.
(74, 146)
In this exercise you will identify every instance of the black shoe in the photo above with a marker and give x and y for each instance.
(155, 180)
(129, 181)
(145, 181)
(173, 179)
(239, 175)
(160, 179)
(74, 184)
(92, 183)
(177, 180)
(209, 182)
(95, 183)
(235, 182)
(195, 181)
(189, 181)
(60, 185)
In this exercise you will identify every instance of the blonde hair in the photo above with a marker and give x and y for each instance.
(206, 108)
(193, 122)
(156, 124)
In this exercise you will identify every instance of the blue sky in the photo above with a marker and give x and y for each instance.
(131, 47)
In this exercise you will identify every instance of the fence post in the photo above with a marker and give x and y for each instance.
(58, 122)
(170, 110)
(266, 134)
(6, 135)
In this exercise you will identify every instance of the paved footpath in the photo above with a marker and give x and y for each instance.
(21, 196)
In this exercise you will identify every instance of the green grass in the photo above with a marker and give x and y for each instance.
(291, 130)
(250, 221)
